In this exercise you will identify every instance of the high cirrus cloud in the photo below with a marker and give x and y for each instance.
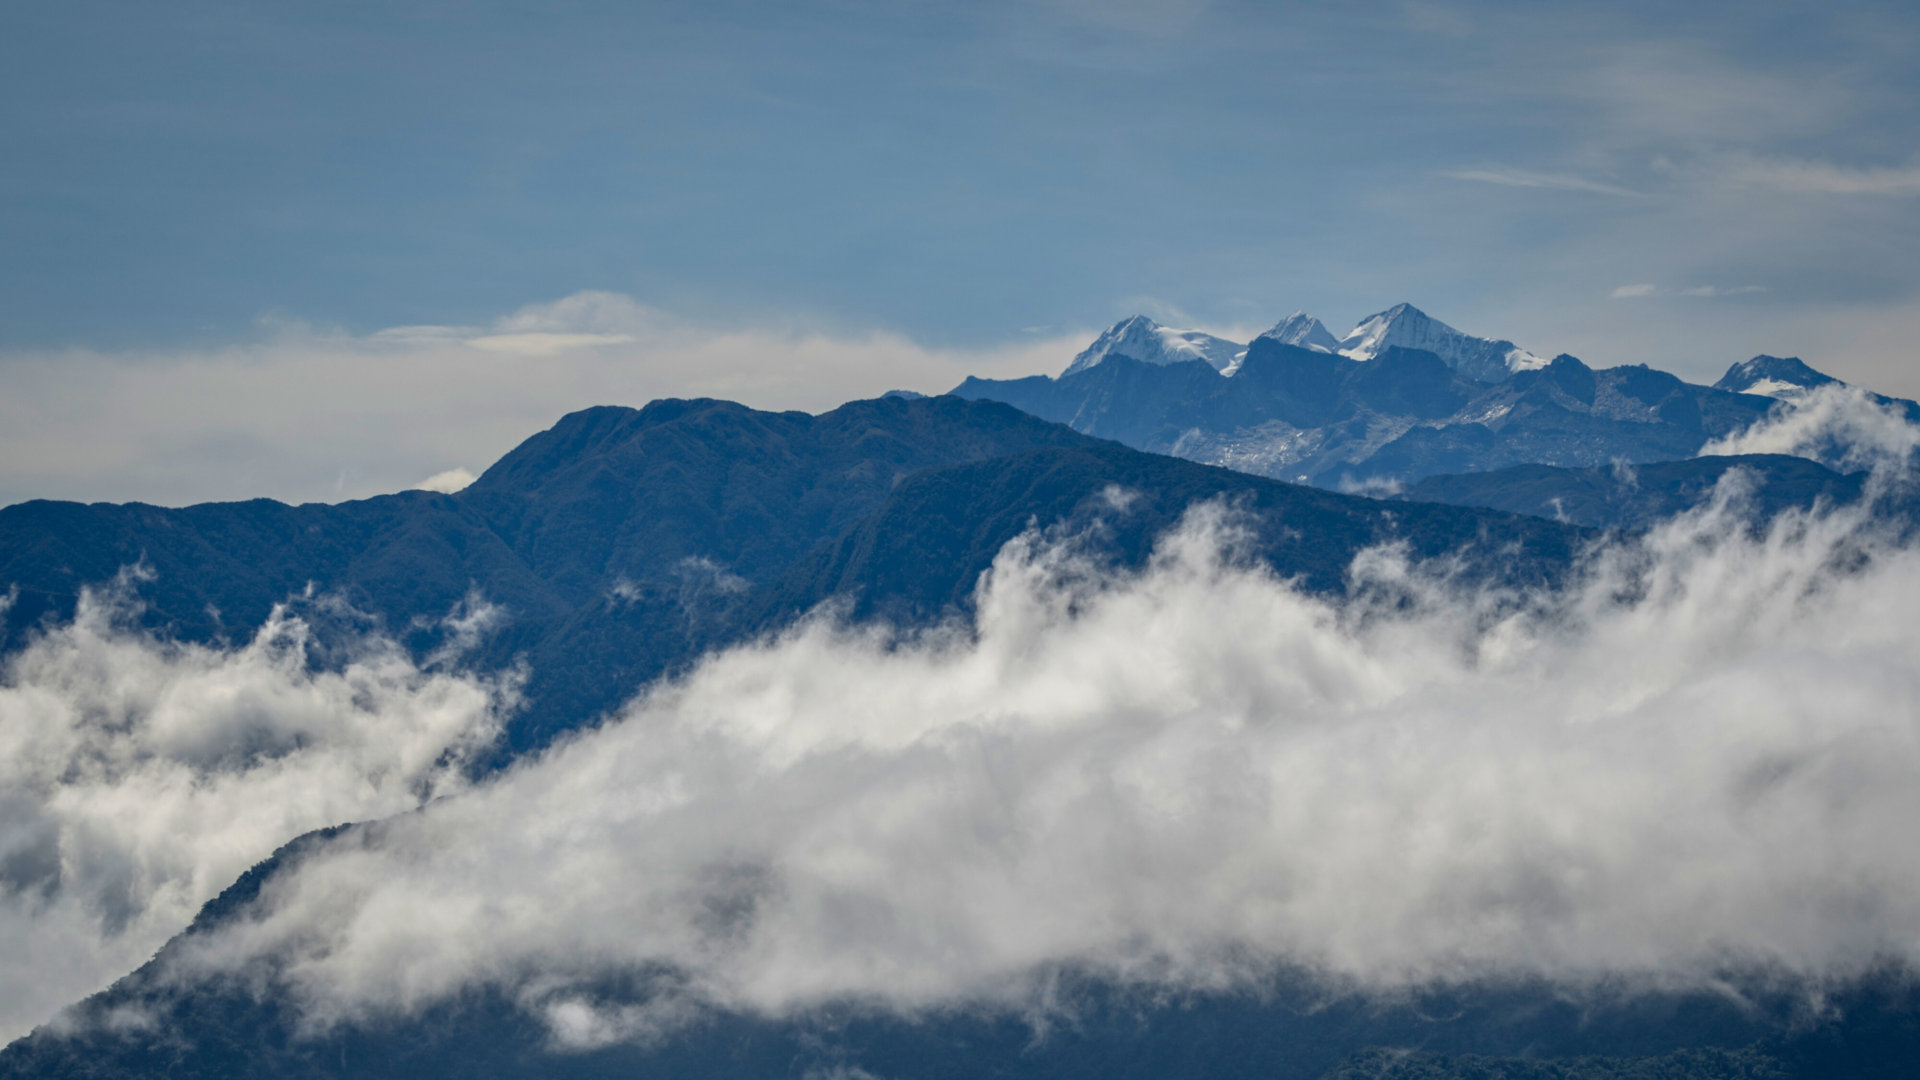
(1702, 753)
(1814, 177)
(1524, 178)
(1635, 292)
(138, 778)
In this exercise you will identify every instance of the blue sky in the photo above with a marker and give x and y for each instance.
(1684, 185)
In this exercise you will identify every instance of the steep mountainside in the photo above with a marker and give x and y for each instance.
(618, 543)
(920, 554)
(1332, 421)
(1147, 341)
(1305, 331)
(1774, 376)
(1404, 326)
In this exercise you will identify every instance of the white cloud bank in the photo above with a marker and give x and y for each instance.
(1706, 753)
(1843, 427)
(313, 415)
(138, 779)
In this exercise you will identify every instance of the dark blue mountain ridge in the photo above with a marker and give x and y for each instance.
(624, 538)
(1638, 497)
(916, 558)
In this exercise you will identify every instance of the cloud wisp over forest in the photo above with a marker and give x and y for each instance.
(143, 776)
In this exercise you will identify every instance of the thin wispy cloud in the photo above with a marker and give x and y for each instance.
(1811, 176)
(1551, 181)
(1650, 91)
(1636, 292)
(1720, 171)
(538, 344)
(1437, 19)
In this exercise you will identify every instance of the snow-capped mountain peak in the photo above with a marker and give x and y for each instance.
(1145, 340)
(1298, 329)
(1305, 331)
(1772, 376)
(1407, 327)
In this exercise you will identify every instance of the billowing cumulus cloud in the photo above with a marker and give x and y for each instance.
(1703, 753)
(139, 778)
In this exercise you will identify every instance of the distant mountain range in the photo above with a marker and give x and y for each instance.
(1400, 398)
(1402, 326)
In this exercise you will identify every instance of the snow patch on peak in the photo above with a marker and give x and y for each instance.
(1305, 331)
(1298, 329)
(1772, 376)
(1147, 341)
(1774, 388)
(1407, 327)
